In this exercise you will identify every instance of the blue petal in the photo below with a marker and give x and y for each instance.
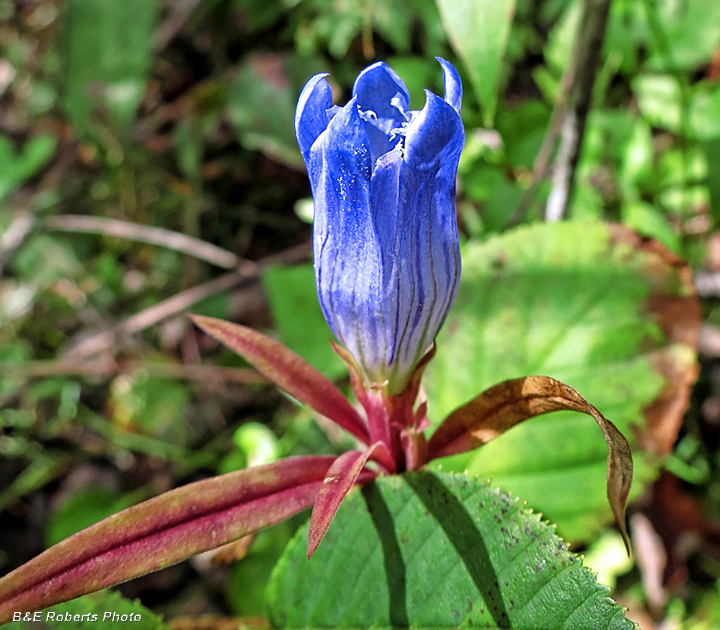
(379, 88)
(311, 116)
(421, 281)
(346, 255)
(453, 85)
(384, 100)
(391, 229)
(434, 135)
(385, 241)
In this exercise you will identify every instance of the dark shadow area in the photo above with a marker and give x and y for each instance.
(394, 563)
(463, 534)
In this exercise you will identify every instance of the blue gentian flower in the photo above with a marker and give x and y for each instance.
(385, 242)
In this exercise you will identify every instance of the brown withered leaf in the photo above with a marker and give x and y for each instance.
(673, 304)
(503, 406)
(593, 305)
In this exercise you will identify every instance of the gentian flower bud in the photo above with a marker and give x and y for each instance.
(385, 242)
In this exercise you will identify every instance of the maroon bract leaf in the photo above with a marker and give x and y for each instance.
(389, 417)
(503, 406)
(163, 531)
(371, 399)
(340, 478)
(285, 368)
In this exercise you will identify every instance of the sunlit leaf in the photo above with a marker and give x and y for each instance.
(432, 550)
(16, 167)
(663, 104)
(685, 35)
(595, 307)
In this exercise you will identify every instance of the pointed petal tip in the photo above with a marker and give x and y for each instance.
(346, 137)
(380, 89)
(453, 84)
(436, 133)
(373, 69)
(310, 90)
(311, 112)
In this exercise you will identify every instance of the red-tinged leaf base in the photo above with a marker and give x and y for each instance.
(392, 418)
(503, 406)
(163, 531)
(289, 371)
(340, 479)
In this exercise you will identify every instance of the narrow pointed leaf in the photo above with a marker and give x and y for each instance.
(163, 531)
(340, 479)
(479, 32)
(285, 368)
(502, 407)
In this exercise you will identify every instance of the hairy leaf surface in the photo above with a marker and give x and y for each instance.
(432, 550)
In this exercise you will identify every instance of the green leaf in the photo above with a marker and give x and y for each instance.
(151, 406)
(247, 578)
(478, 30)
(40, 471)
(433, 550)
(662, 102)
(45, 258)
(650, 221)
(712, 156)
(687, 34)
(659, 99)
(586, 304)
(85, 613)
(261, 104)
(637, 159)
(16, 168)
(108, 47)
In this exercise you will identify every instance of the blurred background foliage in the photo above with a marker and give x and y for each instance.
(148, 167)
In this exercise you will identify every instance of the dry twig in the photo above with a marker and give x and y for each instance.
(102, 340)
(106, 368)
(586, 54)
(145, 234)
